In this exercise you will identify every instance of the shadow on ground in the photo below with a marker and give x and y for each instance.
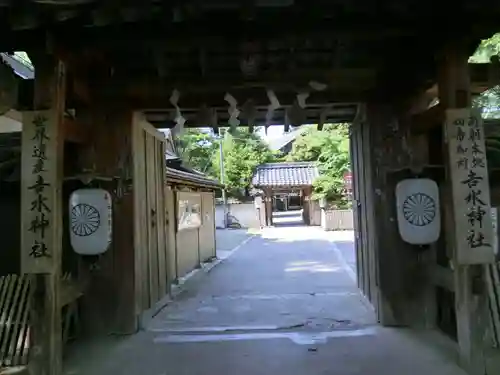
(285, 302)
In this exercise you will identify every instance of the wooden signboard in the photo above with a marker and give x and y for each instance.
(188, 211)
(470, 184)
(39, 187)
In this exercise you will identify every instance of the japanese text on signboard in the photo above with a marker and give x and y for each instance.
(39, 188)
(40, 210)
(471, 196)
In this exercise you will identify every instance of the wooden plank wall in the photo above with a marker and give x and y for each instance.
(151, 252)
(363, 213)
(189, 248)
(171, 238)
(161, 217)
(206, 231)
(109, 302)
(397, 270)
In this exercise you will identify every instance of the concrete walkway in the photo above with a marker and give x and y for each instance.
(284, 302)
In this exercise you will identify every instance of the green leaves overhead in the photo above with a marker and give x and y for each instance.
(330, 149)
(196, 148)
(243, 152)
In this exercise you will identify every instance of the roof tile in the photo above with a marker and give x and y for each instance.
(285, 174)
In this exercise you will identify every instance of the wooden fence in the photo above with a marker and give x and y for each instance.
(14, 330)
(14, 316)
(337, 220)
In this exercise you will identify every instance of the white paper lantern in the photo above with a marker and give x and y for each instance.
(90, 212)
(419, 219)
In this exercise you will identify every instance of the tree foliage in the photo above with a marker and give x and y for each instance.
(489, 101)
(197, 149)
(243, 152)
(308, 145)
(330, 149)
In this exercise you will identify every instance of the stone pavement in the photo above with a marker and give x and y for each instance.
(284, 302)
(229, 239)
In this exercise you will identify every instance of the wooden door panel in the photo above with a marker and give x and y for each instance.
(170, 227)
(140, 216)
(151, 224)
(160, 213)
(149, 227)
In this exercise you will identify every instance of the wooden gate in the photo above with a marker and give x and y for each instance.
(150, 242)
(363, 214)
(170, 209)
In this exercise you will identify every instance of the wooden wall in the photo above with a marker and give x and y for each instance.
(170, 206)
(150, 243)
(207, 229)
(197, 245)
(363, 213)
(188, 251)
(391, 273)
(108, 304)
(314, 213)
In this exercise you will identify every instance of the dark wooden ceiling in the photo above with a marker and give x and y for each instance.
(142, 50)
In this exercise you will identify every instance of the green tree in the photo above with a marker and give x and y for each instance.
(489, 101)
(487, 48)
(197, 149)
(243, 152)
(330, 149)
(308, 145)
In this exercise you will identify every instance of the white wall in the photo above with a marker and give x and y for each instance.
(246, 214)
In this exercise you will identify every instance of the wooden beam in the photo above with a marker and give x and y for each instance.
(75, 132)
(482, 76)
(150, 88)
(424, 121)
(336, 113)
(185, 33)
(150, 93)
(286, 122)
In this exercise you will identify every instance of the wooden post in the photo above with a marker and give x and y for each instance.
(268, 204)
(470, 297)
(41, 222)
(286, 124)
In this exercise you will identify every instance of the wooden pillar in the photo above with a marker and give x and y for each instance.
(471, 303)
(41, 190)
(306, 212)
(389, 264)
(108, 305)
(286, 125)
(268, 202)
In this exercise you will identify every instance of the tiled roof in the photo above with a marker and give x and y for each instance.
(285, 174)
(176, 175)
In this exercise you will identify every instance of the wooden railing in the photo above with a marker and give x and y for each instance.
(14, 329)
(14, 316)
